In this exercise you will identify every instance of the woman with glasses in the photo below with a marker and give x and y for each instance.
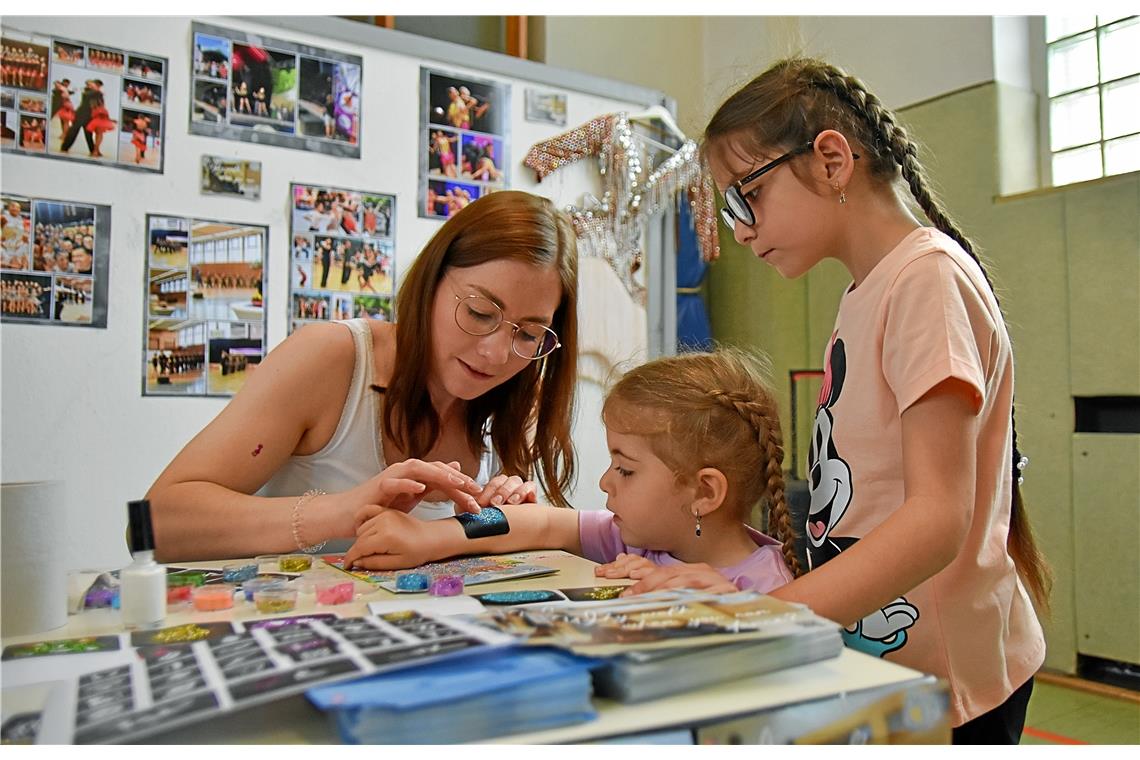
(917, 537)
(464, 401)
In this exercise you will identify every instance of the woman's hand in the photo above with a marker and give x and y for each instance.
(698, 576)
(508, 489)
(391, 540)
(624, 566)
(402, 486)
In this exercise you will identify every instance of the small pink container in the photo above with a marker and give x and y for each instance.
(332, 591)
(213, 597)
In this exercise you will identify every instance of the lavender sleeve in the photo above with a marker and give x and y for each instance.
(601, 539)
(763, 571)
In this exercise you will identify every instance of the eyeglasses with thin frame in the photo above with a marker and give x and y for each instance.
(479, 315)
(736, 207)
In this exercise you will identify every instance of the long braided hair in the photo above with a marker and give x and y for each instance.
(712, 410)
(791, 103)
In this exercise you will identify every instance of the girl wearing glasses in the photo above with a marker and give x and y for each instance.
(673, 492)
(460, 400)
(917, 537)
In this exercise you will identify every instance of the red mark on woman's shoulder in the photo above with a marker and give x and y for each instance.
(257, 450)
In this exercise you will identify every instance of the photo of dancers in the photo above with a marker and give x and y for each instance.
(65, 52)
(86, 92)
(16, 231)
(175, 358)
(142, 67)
(212, 57)
(139, 139)
(205, 305)
(233, 177)
(231, 358)
(168, 238)
(265, 87)
(23, 62)
(8, 99)
(463, 137)
(256, 89)
(343, 247)
(445, 198)
(9, 124)
(26, 297)
(373, 307)
(72, 299)
(329, 97)
(54, 258)
(107, 60)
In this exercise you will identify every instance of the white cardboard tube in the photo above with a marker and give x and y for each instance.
(33, 579)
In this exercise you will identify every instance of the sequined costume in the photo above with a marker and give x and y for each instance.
(632, 191)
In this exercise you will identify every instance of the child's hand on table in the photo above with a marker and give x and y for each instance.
(625, 566)
(699, 576)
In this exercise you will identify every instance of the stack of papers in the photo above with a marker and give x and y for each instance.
(481, 697)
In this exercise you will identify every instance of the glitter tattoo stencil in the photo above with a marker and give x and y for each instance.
(148, 682)
(489, 522)
(475, 570)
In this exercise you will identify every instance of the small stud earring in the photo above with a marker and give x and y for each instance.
(698, 525)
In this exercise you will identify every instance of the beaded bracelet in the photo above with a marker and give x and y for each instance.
(296, 522)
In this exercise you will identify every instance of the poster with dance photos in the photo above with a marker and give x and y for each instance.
(464, 145)
(54, 261)
(205, 305)
(82, 102)
(258, 89)
(343, 254)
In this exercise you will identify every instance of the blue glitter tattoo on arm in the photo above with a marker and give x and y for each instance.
(489, 522)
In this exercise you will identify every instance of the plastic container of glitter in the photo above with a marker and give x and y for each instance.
(250, 587)
(294, 563)
(446, 585)
(275, 599)
(214, 597)
(266, 563)
(333, 590)
(412, 581)
(238, 573)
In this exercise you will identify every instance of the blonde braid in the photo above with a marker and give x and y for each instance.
(761, 418)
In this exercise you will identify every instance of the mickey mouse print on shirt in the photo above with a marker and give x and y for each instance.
(832, 490)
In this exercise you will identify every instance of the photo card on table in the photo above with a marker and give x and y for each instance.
(343, 254)
(54, 261)
(82, 102)
(464, 140)
(205, 305)
(257, 89)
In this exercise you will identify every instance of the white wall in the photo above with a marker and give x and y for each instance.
(71, 398)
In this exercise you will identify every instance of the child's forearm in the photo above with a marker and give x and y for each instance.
(530, 526)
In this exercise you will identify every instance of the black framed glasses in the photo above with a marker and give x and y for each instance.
(478, 315)
(736, 207)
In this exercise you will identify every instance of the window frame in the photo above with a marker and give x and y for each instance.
(1039, 71)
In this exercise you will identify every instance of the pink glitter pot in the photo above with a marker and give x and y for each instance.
(447, 585)
(335, 591)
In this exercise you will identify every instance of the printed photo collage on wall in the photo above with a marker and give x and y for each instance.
(80, 101)
(464, 146)
(257, 89)
(54, 261)
(343, 262)
(205, 305)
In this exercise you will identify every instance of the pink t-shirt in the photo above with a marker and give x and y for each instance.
(923, 315)
(761, 571)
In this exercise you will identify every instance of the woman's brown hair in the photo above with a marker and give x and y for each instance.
(791, 103)
(711, 410)
(529, 416)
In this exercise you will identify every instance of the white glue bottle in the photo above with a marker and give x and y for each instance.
(142, 584)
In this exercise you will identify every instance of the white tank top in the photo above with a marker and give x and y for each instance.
(355, 452)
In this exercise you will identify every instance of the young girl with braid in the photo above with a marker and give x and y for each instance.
(695, 444)
(917, 537)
